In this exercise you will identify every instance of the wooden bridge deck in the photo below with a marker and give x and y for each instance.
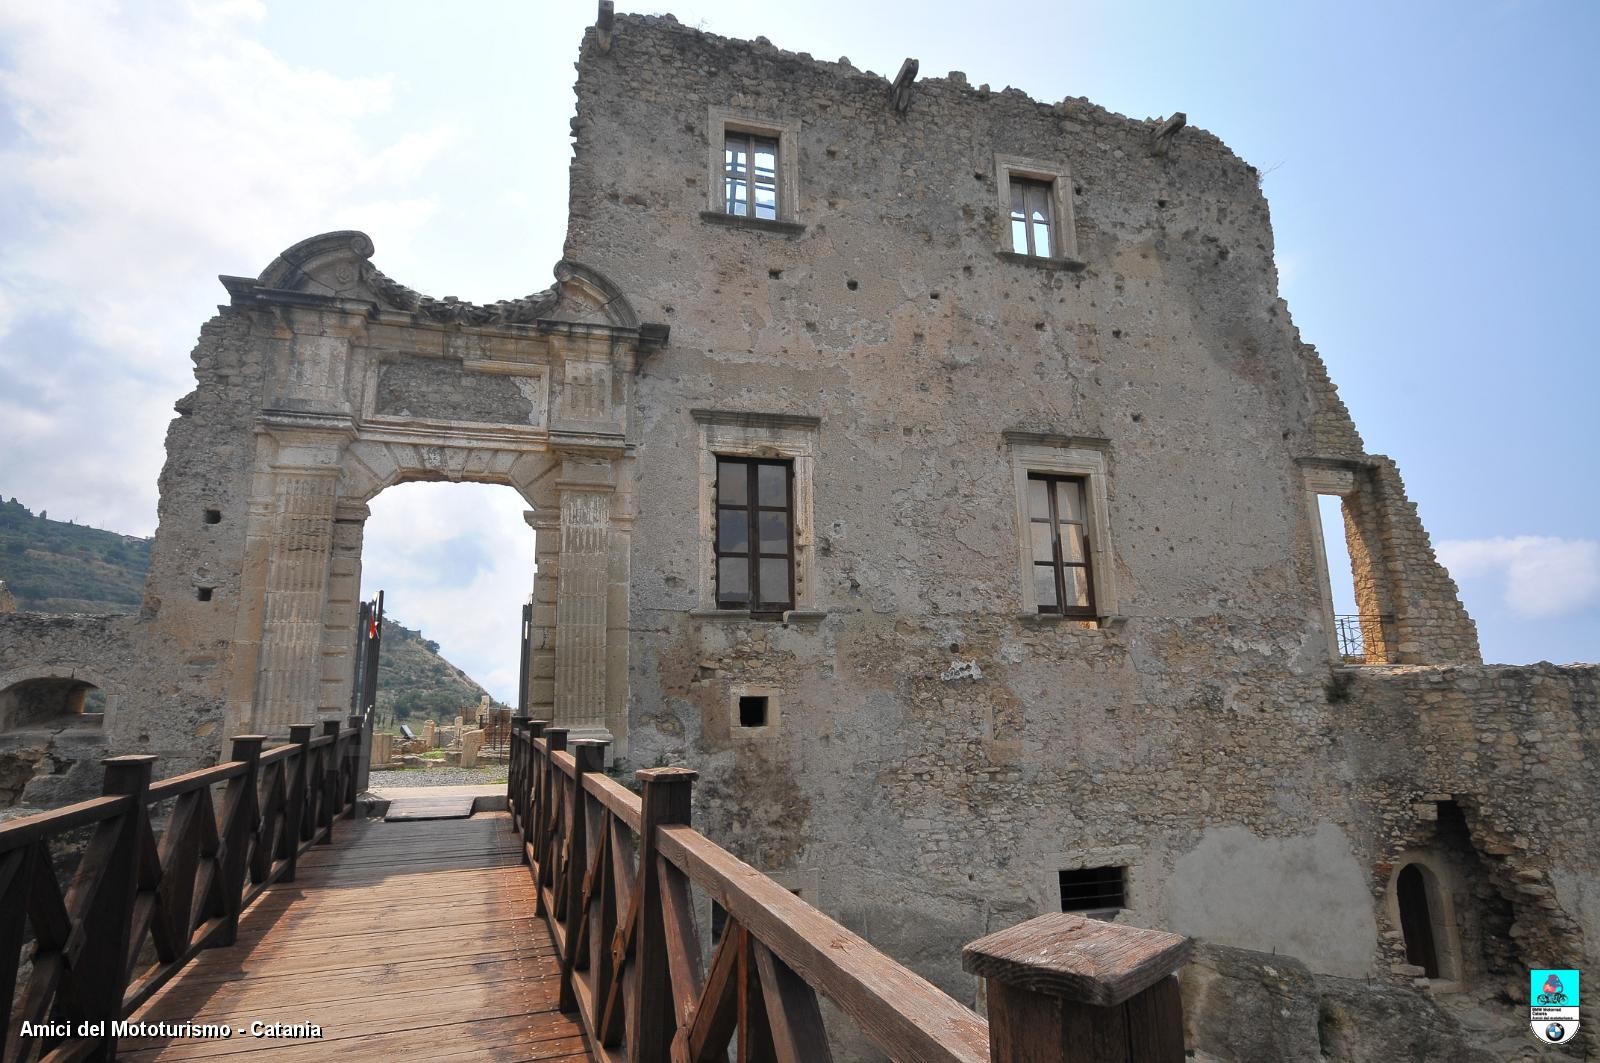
(401, 940)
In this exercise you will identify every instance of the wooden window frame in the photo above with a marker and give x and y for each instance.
(1057, 176)
(749, 141)
(723, 123)
(752, 508)
(1044, 191)
(1058, 564)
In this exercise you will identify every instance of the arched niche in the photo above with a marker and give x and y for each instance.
(53, 698)
(1421, 905)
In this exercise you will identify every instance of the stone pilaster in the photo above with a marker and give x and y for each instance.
(542, 661)
(343, 609)
(586, 490)
(289, 680)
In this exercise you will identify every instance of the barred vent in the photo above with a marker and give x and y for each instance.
(1091, 889)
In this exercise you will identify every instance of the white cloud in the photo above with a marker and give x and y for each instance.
(1544, 577)
(456, 561)
(152, 147)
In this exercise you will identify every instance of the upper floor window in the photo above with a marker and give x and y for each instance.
(1059, 539)
(750, 175)
(1036, 201)
(755, 535)
(1032, 219)
(1065, 563)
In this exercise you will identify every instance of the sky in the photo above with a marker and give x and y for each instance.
(1428, 167)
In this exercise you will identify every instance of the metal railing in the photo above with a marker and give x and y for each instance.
(1363, 637)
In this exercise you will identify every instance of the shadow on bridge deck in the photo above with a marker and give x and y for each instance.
(402, 940)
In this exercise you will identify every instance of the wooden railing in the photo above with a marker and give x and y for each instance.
(615, 875)
(146, 897)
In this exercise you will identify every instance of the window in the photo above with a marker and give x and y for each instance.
(750, 175)
(1036, 201)
(755, 535)
(1031, 218)
(1065, 563)
(753, 710)
(1059, 538)
(1093, 890)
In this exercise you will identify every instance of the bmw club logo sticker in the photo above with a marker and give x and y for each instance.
(1553, 1005)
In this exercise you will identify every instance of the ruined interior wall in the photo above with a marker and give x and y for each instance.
(939, 755)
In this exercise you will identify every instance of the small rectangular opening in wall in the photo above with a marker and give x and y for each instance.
(213, 516)
(1093, 891)
(752, 710)
(203, 593)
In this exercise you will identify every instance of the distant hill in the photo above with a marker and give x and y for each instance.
(53, 566)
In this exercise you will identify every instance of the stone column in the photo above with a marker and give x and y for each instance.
(586, 490)
(288, 685)
(342, 612)
(546, 525)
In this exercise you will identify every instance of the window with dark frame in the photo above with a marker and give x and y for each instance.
(755, 535)
(1032, 217)
(1058, 530)
(750, 175)
(1093, 889)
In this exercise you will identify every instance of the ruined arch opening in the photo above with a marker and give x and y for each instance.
(51, 703)
(1423, 908)
(456, 564)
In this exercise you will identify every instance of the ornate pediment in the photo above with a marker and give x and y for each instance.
(338, 265)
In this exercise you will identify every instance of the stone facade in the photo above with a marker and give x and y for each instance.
(930, 751)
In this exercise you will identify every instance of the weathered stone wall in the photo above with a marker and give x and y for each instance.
(939, 753)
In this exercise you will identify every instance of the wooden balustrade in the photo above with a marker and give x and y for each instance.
(615, 873)
(146, 897)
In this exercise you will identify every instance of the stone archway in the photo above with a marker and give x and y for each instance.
(1421, 905)
(53, 697)
(373, 385)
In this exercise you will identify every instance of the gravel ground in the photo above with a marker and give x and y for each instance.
(441, 776)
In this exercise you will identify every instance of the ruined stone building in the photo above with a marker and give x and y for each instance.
(936, 470)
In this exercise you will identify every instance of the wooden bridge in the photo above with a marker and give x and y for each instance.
(240, 910)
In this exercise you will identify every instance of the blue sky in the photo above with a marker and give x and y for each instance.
(1429, 168)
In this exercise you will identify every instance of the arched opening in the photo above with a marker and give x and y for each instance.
(456, 564)
(1417, 919)
(51, 703)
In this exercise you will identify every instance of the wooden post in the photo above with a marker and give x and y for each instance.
(533, 773)
(666, 802)
(586, 757)
(297, 793)
(239, 825)
(1065, 989)
(101, 968)
(330, 780)
(354, 783)
(546, 809)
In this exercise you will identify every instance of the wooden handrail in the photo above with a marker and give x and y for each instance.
(178, 887)
(613, 873)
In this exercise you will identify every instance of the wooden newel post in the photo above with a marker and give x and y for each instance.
(354, 782)
(298, 796)
(239, 826)
(101, 968)
(1065, 989)
(666, 801)
(586, 757)
(330, 779)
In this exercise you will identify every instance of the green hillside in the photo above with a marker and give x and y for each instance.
(53, 566)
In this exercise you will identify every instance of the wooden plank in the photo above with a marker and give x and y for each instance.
(622, 802)
(901, 1012)
(793, 1014)
(477, 978)
(25, 830)
(1155, 1024)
